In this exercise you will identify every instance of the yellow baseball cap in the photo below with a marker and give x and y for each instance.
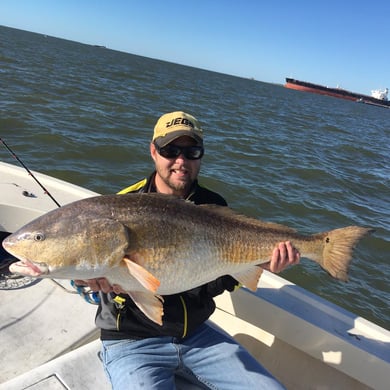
(174, 125)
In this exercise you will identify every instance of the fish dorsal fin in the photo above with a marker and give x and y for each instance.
(250, 277)
(227, 212)
(222, 211)
(149, 281)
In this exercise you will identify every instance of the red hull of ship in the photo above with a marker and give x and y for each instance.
(318, 91)
(334, 92)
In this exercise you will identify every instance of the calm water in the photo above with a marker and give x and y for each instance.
(85, 114)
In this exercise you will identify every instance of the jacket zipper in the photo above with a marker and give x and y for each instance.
(120, 304)
(185, 315)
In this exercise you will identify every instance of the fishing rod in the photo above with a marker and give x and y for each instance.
(29, 172)
(89, 295)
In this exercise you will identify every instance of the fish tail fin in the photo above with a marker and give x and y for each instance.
(338, 246)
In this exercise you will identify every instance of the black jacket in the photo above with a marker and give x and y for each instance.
(119, 317)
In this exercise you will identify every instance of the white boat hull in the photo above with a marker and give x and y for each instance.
(49, 339)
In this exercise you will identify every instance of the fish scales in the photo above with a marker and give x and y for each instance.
(153, 244)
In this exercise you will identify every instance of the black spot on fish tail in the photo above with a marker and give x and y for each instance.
(338, 249)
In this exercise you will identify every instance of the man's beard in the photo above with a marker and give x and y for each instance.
(181, 186)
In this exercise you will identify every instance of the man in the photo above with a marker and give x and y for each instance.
(138, 353)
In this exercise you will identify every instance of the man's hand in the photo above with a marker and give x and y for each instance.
(99, 284)
(283, 256)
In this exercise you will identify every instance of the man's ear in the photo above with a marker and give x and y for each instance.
(153, 151)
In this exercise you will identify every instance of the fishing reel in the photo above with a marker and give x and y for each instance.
(90, 296)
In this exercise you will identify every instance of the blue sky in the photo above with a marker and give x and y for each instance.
(334, 42)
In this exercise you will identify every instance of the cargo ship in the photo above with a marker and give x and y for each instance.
(377, 98)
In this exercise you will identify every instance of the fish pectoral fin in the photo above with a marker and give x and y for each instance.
(250, 277)
(149, 281)
(150, 304)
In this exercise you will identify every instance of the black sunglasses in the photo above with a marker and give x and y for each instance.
(173, 151)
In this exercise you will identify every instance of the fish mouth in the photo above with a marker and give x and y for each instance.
(28, 268)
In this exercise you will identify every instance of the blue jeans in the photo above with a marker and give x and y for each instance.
(207, 358)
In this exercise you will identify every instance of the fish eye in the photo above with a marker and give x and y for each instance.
(39, 236)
